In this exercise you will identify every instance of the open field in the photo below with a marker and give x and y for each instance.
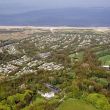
(72, 104)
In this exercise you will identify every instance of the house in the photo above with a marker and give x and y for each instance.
(47, 95)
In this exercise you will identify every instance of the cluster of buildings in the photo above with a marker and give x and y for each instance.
(51, 66)
(9, 68)
(44, 45)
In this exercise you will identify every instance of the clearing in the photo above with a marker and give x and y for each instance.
(72, 104)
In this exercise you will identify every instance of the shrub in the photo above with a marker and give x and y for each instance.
(19, 100)
(99, 100)
(4, 106)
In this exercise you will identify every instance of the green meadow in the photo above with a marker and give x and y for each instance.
(72, 104)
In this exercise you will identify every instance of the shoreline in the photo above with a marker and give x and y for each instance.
(60, 27)
(51, 28)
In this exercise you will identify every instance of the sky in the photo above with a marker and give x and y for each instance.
(19, 6)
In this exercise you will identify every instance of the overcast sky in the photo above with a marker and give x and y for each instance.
(18, 6)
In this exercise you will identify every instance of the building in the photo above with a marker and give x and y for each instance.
(107, 67)
(47, 95)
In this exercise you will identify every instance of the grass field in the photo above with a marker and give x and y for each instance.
(72, 104)
(105, 60)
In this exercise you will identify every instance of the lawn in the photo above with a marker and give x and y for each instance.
(105, 60)
(79, 55)
(72, 104)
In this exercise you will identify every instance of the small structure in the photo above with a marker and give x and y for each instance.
(107, 67)
(47, 95)
(52, 88)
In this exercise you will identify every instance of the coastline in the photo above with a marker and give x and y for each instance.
(54, 27)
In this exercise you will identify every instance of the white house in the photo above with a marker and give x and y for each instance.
(47, 95)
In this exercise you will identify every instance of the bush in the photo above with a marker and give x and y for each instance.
(19, 100)
(99, 100)
(38, 104)
(4, 107)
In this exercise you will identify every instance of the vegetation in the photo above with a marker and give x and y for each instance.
(81, 84)
(74, 104)
(99, 100)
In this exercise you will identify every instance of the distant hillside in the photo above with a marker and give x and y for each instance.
(60, 17)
